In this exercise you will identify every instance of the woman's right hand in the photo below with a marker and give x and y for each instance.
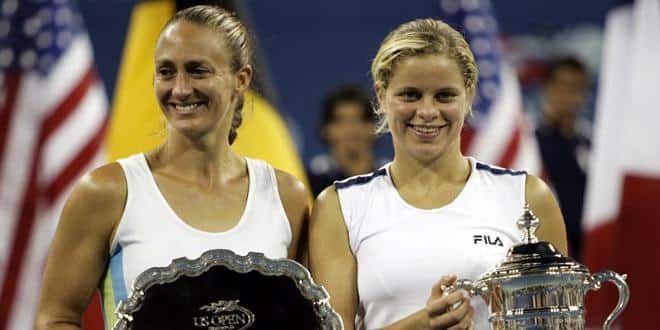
(448, 311)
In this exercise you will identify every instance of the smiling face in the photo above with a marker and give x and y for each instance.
(195, 86)
(425, 104)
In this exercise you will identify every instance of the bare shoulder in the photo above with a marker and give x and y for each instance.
(543, 204)
(541, 199)
(292, 190)
(327, 213)
(295, 200)
(328, 231)
(536, 189)
(328, 199)
(98, 197)
(104, 186)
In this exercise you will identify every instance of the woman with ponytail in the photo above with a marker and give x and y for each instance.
(191, 194)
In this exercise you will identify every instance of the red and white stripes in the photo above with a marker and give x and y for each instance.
(52, 132)
(505, 137)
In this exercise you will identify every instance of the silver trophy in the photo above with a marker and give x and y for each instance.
(536, 287)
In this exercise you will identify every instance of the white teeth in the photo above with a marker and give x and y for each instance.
(186, 108)
(426, 129)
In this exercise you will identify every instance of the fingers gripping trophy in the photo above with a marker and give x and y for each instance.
(536, 287)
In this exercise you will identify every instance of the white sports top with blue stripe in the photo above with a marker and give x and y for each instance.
(150, 234)
(402, 251)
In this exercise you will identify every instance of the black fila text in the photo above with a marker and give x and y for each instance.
(487, 239)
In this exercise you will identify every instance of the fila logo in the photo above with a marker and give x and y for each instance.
(486, 239)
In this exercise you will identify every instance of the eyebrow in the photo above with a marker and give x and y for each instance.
(188, 63)
(163, 61)
(195, 63)
(441, 89)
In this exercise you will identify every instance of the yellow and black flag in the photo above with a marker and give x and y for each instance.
(136, 122)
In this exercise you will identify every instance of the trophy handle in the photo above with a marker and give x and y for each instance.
(594, 283)
(478, 289)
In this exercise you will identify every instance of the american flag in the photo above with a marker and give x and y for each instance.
(498, 132)
(53, 113)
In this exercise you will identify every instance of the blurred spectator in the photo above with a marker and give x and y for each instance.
(563, 138)
(347, 128)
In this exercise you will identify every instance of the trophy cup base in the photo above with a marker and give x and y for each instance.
(540, 322)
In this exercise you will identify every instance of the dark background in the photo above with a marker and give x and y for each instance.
(311, 46)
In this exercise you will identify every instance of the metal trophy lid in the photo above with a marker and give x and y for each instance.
(533, 256)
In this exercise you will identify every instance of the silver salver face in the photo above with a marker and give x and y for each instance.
(224, 291)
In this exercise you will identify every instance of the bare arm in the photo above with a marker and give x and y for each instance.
(79, 252)
(543, 204)
(331, 261)
(295, 197)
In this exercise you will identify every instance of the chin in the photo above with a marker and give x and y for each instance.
(427, 156)
(191, 131)
(426, 152)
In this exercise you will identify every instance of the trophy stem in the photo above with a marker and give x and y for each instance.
(528, 223)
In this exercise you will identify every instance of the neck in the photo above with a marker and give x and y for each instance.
(449, 168)
(206, 162)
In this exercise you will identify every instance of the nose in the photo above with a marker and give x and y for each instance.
(428, 110)
(182, 87)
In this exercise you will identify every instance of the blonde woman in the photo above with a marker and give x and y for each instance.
(387, 243)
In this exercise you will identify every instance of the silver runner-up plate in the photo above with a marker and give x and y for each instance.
(224, 291)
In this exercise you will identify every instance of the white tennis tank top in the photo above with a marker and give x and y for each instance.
(150, 234)
(402, 251)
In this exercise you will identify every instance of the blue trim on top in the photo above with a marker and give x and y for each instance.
(358, 180)
(117, 275)
(499, 170)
